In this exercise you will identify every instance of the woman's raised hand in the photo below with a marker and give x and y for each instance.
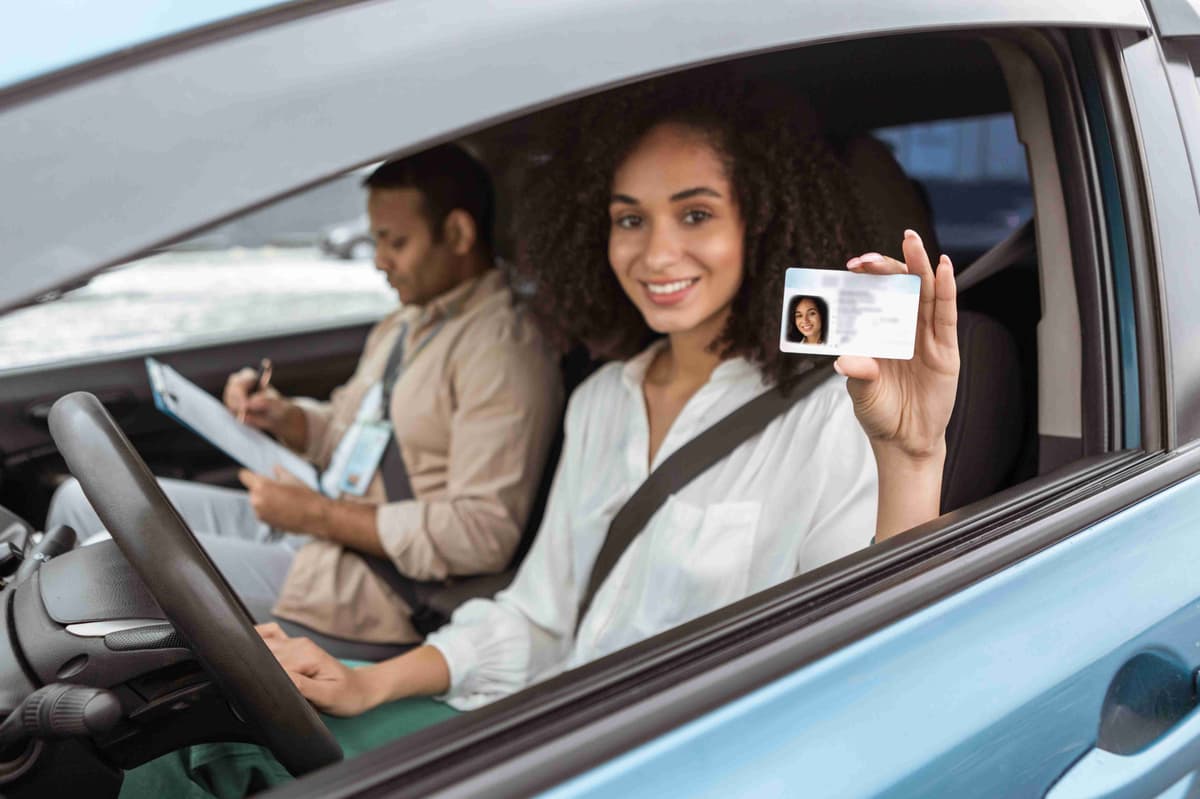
(904, 406)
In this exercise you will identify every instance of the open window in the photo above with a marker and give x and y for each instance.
(978, 140)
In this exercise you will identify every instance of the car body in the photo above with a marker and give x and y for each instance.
(1040, 639)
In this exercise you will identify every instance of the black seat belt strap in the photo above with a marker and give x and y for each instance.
(687, 463)
(1013, 248)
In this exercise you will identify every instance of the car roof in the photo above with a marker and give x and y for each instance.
(125, 154)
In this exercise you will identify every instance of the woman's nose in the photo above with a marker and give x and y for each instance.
(662, 248)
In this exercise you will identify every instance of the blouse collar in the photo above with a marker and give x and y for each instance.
(633, 373)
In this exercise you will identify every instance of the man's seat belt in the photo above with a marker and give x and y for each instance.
(686, 464)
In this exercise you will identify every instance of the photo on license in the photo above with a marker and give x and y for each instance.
(835, 312)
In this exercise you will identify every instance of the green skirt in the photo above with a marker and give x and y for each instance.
(234, 770)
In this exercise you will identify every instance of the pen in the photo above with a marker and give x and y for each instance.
(261, 381)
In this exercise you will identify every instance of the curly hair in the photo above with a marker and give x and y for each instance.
(794, 196)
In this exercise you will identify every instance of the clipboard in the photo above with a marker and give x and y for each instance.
(205, 415)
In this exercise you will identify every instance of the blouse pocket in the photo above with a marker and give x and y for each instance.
(699, 559)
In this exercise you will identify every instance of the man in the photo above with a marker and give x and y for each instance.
(432, 451)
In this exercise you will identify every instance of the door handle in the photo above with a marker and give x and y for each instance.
(1163, 764)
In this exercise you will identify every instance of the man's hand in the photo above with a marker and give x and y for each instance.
(285, 505)
(322, 679)
(265, 409)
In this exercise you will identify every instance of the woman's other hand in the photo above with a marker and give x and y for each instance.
(905, 406)
(330, 685)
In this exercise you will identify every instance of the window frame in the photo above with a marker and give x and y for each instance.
(558, 729)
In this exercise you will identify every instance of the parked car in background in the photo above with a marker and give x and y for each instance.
(1039, 639)
(350, 240)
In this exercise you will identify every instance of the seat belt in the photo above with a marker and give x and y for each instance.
(1015, 247)
(686, 464)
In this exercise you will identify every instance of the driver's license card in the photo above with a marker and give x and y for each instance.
(835, 312)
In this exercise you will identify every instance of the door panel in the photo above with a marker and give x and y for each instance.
(994, 691)
(306, 364)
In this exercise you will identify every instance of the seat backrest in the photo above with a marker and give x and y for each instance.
(895, 200)
(987, 426)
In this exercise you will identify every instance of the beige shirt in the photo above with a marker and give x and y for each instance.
(474, 410)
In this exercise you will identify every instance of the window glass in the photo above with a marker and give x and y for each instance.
(974, 174)
(302, 264)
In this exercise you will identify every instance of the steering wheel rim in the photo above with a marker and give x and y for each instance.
(192, 593)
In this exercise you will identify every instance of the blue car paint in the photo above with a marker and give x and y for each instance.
(995, 691)
(48, 35)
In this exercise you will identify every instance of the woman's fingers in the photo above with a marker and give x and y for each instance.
(857, 367)
(876, 264)
(945, 309)
(271, 631)
(917, 261)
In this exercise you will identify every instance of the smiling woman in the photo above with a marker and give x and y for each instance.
(814, 218)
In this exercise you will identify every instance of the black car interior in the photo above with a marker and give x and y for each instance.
(143, 644)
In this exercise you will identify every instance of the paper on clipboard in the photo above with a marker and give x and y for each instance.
(204, 414)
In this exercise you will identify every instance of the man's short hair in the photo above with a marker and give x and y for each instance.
(447, 177)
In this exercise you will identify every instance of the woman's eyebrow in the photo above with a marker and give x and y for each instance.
(698, 191)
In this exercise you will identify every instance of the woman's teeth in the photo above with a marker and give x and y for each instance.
(670, 288)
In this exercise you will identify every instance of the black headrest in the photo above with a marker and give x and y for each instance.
(987, 427)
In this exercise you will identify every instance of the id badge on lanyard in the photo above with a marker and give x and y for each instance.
(361, 449)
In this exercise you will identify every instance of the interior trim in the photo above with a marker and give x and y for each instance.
(1060, 381)
(99, 629)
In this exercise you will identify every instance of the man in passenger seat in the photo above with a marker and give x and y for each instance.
(433, 450)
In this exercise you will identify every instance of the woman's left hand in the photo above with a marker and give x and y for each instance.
(905, 406)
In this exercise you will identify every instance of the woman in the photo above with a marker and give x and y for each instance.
(808, 315)
(679, 221)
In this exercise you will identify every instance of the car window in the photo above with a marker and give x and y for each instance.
(301, 264)
(974, 177)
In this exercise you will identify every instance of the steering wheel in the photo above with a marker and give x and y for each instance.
(193, 594)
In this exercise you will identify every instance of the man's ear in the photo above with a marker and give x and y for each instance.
(459, 231)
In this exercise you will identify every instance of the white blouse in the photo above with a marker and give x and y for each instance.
(799, 495)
